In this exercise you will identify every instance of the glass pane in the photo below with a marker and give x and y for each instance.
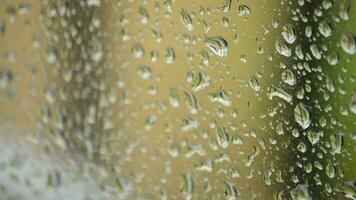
(178, 99)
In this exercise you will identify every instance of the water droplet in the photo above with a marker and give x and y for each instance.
(236, 140)
(199, 81)
(314, 137)
(352, 105)
(289, 77)
(143, 15)
(329, 84)
(2, 29)
(279, 129)
(302, 116)
(302, 147)
(289, 34)
(301, 192)
(173, 98)
(325, 28)
(235, 173)
(223, 137)
(337, 142)
(230, 191)
(145, 72)
(348, 43)
(51, 55)
(137, 51)
(243, 58)
(254, 84)
(217, 45)
(189, 124)
(5, 78)
(282, 48)
(227, 6)
(333, 59)
(186, 19)
(205, 166)
(187, 186)
(330, 169)
(315, 51)
(154, 56)
(243, 10)
(327, 4)
(267, 177)
(158, 35)
(308, 31)
(299, 52)
(150, 121)
(251, 158)
(274, 91)
(169, 55)
(220, 97)
(192, 102)
(225, 22)
(345, 9)
(205, 57)
(349, 189)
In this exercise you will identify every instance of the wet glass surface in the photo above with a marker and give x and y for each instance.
(178, 99)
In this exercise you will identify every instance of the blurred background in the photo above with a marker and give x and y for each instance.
(178, 99)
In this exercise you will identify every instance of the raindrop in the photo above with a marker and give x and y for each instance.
(314, 137)
(145, 72)
(345, 9)
(186, 19)
(169, 55)
(348, 43)
(2, 29)
(349, 189)
(220, 97)
(325, 28)
(282, 48)
(230, 191)
(315, 51)
(352, 105)
(5, 78)
(173, 98)
(302, 147)
(188, 124)
(289, 77)
(223, 137)
(217, 45)
(137, 51)
(274, 91)
(227, 6)
(300, 192)
(192, 102)
(143, 15)
(187, 186)
(333, 59)
(254, 84)
(199, 81)
(204, 166)
(243, 10)
(330, 169)
(337, 142)
(308, 31)
(302, 116)
(299, 52)
(289, 34)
